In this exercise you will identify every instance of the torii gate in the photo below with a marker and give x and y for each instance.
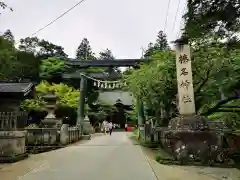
(83, 121)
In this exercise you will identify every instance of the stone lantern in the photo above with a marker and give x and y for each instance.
(50, 120)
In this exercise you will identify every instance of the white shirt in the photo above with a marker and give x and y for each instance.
(110, 125)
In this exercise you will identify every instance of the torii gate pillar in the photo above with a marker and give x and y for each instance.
(82, 120)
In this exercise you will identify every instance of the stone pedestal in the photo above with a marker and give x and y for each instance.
(64, 135)
(87, 128)
(12, 146)
(142, 132)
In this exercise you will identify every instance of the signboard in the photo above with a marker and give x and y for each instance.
(184, 77)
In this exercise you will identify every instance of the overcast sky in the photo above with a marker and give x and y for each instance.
(124, 26)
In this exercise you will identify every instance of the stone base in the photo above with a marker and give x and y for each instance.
(86, 137)
(141, 132)
(193, 122)
(12, 145)
(64, 135)
(87, 128)
(12, 159)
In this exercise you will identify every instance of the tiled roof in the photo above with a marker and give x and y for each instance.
(24, 88)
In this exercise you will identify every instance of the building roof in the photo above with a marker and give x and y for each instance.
(12, 88)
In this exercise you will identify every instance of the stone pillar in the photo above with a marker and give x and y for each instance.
(141, 118)
(87, 127)
(184, 80)
(83, 120)
(64, 135)
(80, 118)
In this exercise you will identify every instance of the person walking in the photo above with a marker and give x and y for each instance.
(110, 127)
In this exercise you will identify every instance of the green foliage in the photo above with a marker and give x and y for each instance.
(8, 35)
(94, 70)
(220, 17)
(66, 96)
(161, 44)
(42, 48)
(106, 55)
(231, 119)
(155, 82)
(33, 104)
(101, 110)
(16, 65)
(215, 73)
(7, 57)
(133, 115)
(51, 66)
(84, 51)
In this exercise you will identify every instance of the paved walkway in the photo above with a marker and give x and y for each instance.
(102, 158)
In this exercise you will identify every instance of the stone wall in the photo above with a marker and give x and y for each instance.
(12, 145)
(74, 134)
(51, 137)
(42, 136)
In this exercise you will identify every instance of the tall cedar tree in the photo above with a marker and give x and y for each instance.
(84, 50)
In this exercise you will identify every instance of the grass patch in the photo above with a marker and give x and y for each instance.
(163, 157)
(149, 144)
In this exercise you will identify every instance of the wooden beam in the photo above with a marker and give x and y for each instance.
(103, 63)
(93, 75)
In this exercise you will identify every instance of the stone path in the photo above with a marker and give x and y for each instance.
(102, 158)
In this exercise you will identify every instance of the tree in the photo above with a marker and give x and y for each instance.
(29, 44)
(218, 16)
(41, 48)
(215, 68)
(215, 73)
(106, 55)
(16, 65)
(27, 66)
(149, 51)
(155, 82)
(8, 35)
(66, 96)
(84, 50)
(52, 67)
(99, 111)
(48, 49)
(161, 42)
(7, 58)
